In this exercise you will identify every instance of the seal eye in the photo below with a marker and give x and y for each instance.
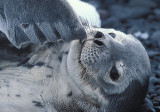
(114, 75)
(113, 35)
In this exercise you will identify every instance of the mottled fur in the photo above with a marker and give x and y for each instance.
(60, 79)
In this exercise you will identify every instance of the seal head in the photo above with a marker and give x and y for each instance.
(116, 64)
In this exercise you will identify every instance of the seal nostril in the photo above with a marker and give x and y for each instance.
(99, 35)
(99, 43)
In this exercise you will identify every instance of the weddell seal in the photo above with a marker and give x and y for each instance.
(101, 70)
(108, 72)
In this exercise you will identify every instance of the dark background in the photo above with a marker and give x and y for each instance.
(140, 18)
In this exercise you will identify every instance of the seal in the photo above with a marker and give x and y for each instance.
(107, 72)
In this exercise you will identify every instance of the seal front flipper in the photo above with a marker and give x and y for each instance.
(38, 21)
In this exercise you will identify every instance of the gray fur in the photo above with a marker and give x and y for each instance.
(38, 21)
(73, 83)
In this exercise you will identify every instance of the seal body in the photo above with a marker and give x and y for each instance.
(108, 72)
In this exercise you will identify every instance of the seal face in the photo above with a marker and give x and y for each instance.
(115, 63)
(107, 72)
